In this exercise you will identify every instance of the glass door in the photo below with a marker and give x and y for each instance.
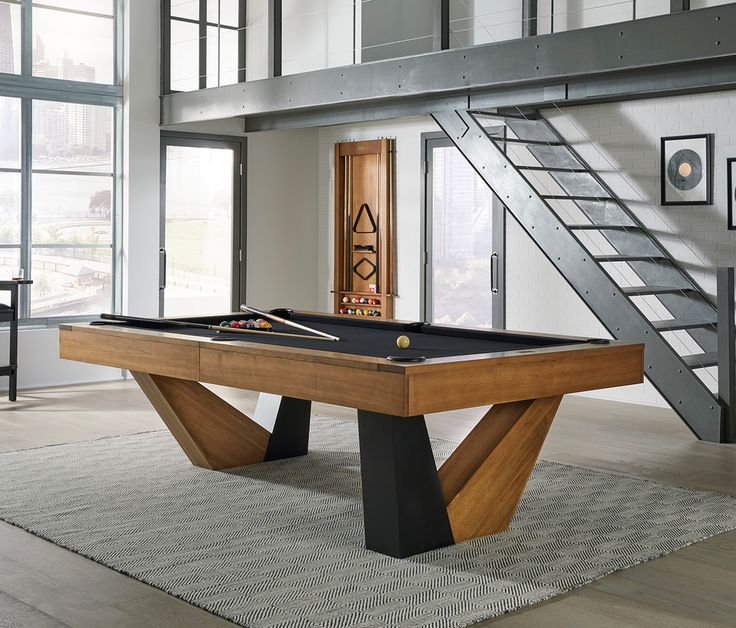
(464, 241)
(202, 269)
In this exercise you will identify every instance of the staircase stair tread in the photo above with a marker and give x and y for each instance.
(645, 290)
(514, 140)
(630, 258)
(701, 360)
(593, 227)
(573, 197)
(681, 323)
(555, 169)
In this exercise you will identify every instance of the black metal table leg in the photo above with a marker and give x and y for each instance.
(403, 507)
(13, 377)
(290, 435)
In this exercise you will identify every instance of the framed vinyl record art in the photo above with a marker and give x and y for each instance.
(731, 169)
(686, 171)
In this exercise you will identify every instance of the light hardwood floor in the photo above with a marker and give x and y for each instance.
(42, 585)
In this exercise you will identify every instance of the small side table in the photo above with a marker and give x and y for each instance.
(10, 313)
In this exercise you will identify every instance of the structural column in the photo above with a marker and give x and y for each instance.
(727, 350)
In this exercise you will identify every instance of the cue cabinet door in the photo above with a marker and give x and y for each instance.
(364, 242)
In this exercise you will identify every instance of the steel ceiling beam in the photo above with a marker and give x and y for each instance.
(678, 52)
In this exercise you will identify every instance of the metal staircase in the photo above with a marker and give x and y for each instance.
(623, 273)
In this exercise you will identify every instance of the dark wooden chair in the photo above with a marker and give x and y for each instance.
(9, 314)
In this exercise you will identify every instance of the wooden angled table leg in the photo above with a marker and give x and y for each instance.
(484, 478)
(214, 434)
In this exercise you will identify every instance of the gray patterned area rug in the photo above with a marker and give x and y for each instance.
(281, 544)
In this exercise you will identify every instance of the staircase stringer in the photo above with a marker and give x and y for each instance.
(679, 385)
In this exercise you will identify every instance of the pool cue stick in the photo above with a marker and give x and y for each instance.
(286, 321)
(158, 322)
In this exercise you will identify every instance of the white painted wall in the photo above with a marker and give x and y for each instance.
(573, 14)
(474, 22)
(141, 86)
(283, 221)
(702, 4)
(316, 34)
(496, 20)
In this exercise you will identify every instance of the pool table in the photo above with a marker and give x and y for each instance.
(410, 506)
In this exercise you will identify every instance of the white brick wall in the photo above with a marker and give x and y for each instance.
(626, 136)
(625, 148)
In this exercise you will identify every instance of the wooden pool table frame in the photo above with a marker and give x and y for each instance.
(409, 505)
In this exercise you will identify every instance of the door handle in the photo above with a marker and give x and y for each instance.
(162, 269)
(494, 273)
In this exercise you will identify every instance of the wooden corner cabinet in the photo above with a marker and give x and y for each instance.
(364, 233)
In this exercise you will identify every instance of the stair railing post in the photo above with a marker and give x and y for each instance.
(727, 349)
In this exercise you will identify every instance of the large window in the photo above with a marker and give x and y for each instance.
(206, 43)
(10, 186)
(58, 154)
(10, 37)
(72, 40)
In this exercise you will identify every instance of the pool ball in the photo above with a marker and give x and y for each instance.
(225, 324)
(345, 300)
(403, 342)
(235, 324)
(243, 324)
(263, 323)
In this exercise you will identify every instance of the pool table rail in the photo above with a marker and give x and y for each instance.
(373, 384)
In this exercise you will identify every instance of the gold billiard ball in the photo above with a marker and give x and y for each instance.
(403, 342)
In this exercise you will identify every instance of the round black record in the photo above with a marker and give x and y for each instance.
(685, 169)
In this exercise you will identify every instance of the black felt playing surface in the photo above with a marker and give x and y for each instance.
(378, 339)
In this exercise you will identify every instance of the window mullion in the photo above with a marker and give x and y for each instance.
(202, 44)
(26, 200)
(26, 39)
(117, 268)
(242, 16)
(117, 72)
